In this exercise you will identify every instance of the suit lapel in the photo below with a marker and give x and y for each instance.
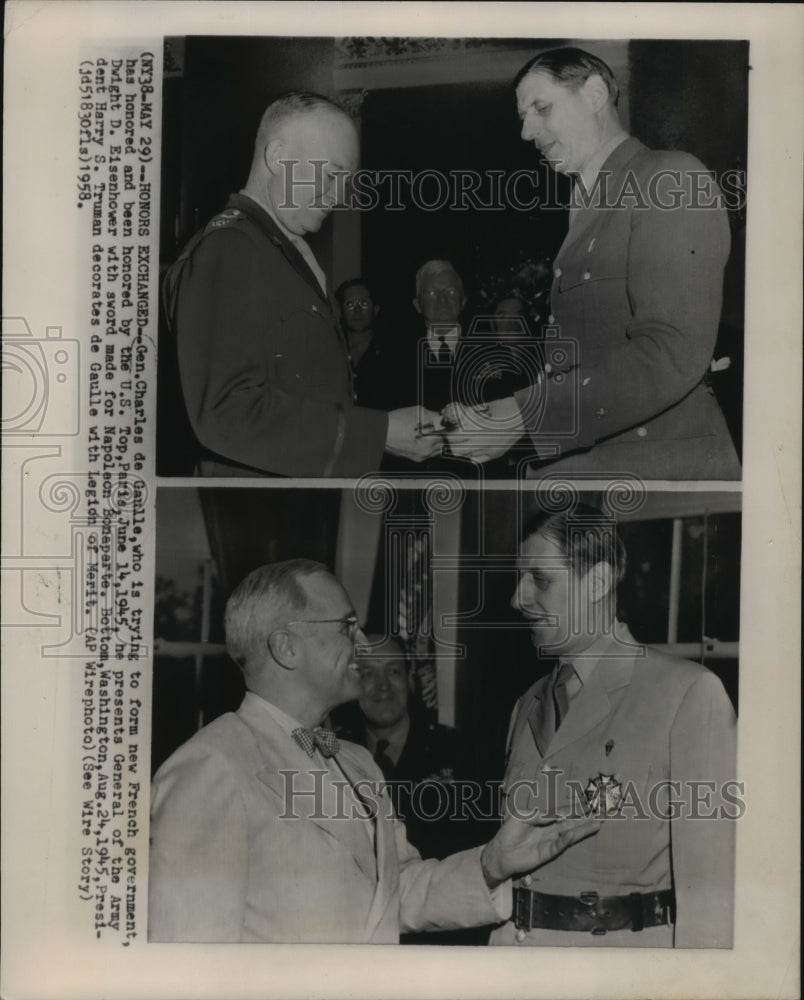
(594, 702)
(284, 766)
(614, 166)
(279, 239)
(386, 872)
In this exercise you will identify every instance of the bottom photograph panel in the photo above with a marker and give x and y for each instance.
(445, 716)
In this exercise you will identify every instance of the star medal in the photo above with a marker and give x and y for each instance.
(604, 794)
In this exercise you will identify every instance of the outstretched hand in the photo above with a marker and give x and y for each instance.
(520, 846)
(405, 437)
(483, 433)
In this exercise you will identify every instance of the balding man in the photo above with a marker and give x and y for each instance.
(265, 828)
(635, 301)
(264, 365)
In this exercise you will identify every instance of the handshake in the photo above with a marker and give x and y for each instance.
(479, 433)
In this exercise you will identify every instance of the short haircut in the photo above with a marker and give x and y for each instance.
(571, 67)
(296, 103)
(585, 535)
(343, 288)
(262, 602)
(433, 267)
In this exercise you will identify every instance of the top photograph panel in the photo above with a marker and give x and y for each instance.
(499, 259)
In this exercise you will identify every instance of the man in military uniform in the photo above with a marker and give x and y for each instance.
(643, 739)
(263, 363)
(635, 300)
(413, 752)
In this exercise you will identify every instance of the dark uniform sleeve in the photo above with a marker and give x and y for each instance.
(256, 373)
(674, 283)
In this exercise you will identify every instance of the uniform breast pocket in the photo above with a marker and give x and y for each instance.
(619, 792)
(306, 351)
(598, 278)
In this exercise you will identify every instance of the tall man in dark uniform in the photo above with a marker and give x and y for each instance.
(635, 301)
(263, 363)
(644, 739)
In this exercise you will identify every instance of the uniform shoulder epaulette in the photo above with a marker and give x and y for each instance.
(227, 217)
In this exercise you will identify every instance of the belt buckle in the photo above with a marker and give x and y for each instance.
(590, 900)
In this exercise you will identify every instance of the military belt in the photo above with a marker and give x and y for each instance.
(593, 913)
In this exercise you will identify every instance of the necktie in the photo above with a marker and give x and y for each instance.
(549, 712)
(382, 760)
(309, 739)
(444, 353)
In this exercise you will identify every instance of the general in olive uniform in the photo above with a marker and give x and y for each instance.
(263, 363)
(643, 739)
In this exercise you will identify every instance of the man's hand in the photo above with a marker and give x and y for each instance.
(483, 433)
(519, 847)
(405, 436)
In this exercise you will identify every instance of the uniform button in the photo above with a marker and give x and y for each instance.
(520, 935)
(548, 368)
(235, 211)
(527, 879)
(551, 318)
(586, 275)
(642, 432)
(557, 272)
(354, 397)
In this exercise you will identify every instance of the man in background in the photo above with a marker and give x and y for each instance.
(263, 364)
(414, 753)
(439, 300)
(368, 354)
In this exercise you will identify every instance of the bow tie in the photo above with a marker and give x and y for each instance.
(309, 739)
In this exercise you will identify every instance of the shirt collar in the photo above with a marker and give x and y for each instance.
(266, 206)
(450, 332)
(584, 663)
(589, 174)
(299, 242)
(396, 740)
(285, 721)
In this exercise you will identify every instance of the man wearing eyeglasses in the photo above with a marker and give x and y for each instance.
(266, 828)
(367, 351)
(439, 300)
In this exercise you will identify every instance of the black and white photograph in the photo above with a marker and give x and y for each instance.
(401, 500)
(493, 256)
(409, 721)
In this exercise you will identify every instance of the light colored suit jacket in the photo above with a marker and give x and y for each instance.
(643, 720)
(229, 862)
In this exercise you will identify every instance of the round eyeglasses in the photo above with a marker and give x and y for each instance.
(350, 624)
